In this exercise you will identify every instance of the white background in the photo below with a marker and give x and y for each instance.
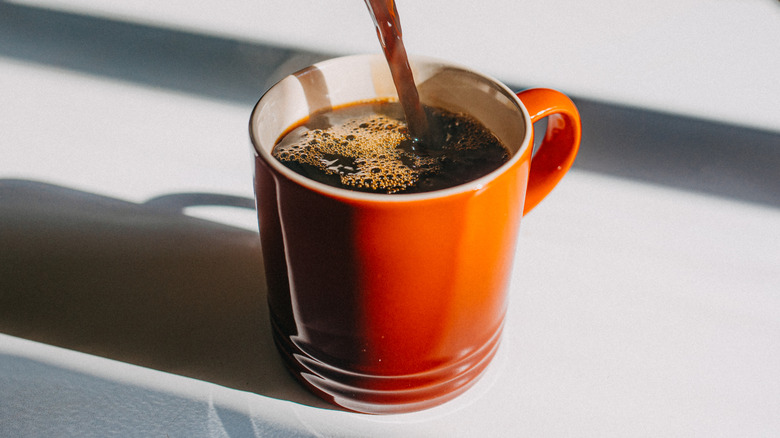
(716, 59)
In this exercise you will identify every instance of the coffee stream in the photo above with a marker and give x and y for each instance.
(388, 29)
(366, 147)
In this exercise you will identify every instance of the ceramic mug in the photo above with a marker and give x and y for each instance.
(393, 303)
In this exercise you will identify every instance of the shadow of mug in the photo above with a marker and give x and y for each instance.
(140, 283)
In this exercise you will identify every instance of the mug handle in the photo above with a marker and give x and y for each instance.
(559, 146)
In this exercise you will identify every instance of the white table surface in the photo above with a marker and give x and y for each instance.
(713, 59)
(639, 307)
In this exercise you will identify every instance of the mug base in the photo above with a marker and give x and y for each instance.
(380, 394)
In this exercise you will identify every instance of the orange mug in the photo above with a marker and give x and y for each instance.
(394, 303)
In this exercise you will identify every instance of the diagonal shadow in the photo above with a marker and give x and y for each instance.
(213, 67)
(663, 149)
(680, 152)
(142, 284)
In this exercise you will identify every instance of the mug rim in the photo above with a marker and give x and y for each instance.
(343, 193)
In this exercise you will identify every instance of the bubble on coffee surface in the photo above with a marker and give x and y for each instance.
(363, 152)
(369, 149)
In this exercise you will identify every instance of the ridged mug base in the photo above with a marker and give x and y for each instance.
(383, 394)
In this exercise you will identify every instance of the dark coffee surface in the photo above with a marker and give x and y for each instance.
(367, 147)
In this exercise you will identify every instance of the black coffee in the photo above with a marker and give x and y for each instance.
(367, 147)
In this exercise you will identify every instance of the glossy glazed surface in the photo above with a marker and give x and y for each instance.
(392, 303)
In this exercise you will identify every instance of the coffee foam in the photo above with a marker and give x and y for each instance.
(364, 152)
